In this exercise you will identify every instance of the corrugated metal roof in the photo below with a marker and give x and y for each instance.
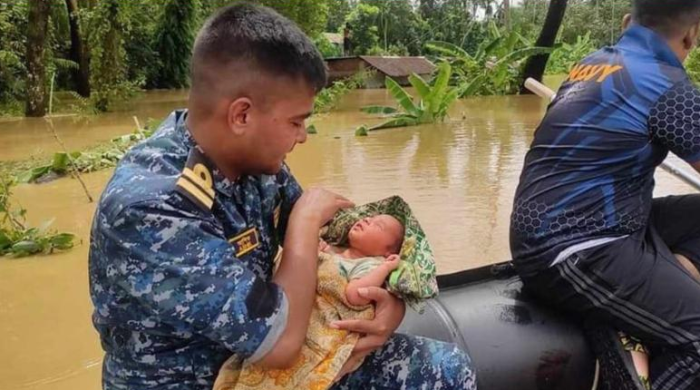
(400, 66)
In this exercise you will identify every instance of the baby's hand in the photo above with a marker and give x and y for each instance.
(323, 246)
(392, 262)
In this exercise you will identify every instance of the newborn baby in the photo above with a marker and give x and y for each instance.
(371, 255)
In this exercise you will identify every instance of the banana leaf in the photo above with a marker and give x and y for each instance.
(420, 85)
(402, 97)
(471, 88)
(382, 110)
(402, 121)
(448, 49)
(439, 88)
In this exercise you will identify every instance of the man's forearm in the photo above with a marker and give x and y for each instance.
(297, 277)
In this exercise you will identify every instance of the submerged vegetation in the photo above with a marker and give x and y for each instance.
(431, 105)
(99, 157)
(329, 97)
(16, 238)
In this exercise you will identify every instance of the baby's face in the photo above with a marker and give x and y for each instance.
(376, 236)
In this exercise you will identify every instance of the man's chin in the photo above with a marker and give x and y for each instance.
(273, 170)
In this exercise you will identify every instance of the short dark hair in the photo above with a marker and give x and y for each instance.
(666, 16)
(259, 38)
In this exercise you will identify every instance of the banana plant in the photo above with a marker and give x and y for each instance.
(494, 68)
(430, 106)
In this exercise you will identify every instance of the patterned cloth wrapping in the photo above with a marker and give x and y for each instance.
(414, 280)
(324, 351)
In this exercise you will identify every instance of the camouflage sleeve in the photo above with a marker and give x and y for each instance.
(674, 121)
(290, 191)
(181, 268)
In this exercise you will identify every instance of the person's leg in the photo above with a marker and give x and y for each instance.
(410, 362)
(676, 219)
(637, 286)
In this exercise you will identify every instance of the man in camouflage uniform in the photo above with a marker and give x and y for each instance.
(186, 233)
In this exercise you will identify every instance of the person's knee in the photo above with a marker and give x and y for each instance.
(456, 367)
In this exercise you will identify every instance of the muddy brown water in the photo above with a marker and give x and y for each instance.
(459, 178)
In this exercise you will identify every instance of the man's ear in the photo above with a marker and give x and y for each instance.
(626, 21)
(239, 115)
(691, 36)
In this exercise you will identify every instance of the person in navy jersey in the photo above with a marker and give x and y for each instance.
(586, 233)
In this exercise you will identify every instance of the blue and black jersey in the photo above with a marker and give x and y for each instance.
(589, 174)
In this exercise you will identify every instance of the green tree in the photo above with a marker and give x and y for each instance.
(143, 63)
(78, 52)
(452, 21)
(364, 33)
(310, 15)
(602, 18)
(340, 11)
(108, 61)
(173, 43)
(398, 25)
(13, 48)
(37, 32)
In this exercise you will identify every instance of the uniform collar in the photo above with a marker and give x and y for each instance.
(640, 39)
(221, 183)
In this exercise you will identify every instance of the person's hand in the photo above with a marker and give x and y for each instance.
(319, 206)
(388, 314)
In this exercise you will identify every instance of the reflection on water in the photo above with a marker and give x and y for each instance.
(459, 178)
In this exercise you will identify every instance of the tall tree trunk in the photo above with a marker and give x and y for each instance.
(36, 67)
(536, 65)
(78, 52)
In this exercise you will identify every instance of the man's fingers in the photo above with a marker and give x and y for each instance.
(376, 294)
(358, 326)
(344, 203)
(368, 344)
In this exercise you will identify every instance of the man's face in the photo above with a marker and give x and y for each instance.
(277, 124)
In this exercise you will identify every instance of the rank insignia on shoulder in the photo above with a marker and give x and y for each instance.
(276, 216)
(245, 242)
(195, 182)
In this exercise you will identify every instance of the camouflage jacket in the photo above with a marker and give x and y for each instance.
(180, 264)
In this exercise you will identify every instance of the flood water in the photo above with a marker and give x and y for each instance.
(459, 178)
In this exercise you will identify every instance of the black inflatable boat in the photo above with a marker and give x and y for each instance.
(514, 343)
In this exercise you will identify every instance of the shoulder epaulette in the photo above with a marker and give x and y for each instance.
(196, 182)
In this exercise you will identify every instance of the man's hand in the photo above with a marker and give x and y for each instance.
(388, 314)
(318, 206)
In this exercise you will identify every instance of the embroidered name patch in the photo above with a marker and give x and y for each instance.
(245, 242)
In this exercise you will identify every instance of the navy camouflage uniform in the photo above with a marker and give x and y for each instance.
(180, 265)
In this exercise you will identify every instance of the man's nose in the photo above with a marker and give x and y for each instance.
(302, 135)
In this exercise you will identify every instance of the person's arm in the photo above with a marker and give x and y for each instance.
(375, 278)
(296, 274)
(180, 267)
(674, 121)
